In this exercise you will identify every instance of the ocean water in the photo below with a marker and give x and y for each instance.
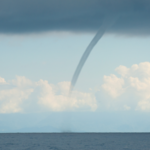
(74, 141)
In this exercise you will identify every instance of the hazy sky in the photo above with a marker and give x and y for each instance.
(41, 43)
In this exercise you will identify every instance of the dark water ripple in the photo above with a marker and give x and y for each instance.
(74, 141)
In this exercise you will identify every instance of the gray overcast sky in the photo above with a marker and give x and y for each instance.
(19, 16)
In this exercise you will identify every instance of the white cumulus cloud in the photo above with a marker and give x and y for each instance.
(130, 90)
(134, 81)
(12, 95)
(113, 85)
(60, 101)
(2, 80)
(23, 95)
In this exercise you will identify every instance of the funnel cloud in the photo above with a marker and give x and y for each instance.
(108, 22)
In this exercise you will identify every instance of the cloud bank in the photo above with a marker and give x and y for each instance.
(26, 16)
(23, 95)
(132, 89)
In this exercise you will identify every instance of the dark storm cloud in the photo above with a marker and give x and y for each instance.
(21, 16)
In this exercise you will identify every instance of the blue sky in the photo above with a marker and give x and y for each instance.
(34, 65)
(58, 53)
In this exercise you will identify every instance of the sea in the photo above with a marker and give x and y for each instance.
(75, 141)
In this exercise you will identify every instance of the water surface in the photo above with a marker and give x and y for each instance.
(75, 141)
